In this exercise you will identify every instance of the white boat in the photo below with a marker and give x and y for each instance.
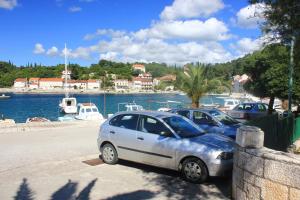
(3, 96)
(88, 111)
(167, 105)
(68, 104)
(66, 118)
(37, 119)
(7, 122)
(130, 107)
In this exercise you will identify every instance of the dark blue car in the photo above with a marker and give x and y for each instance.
(249, 111)
(211, 120)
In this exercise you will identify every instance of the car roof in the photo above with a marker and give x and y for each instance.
(157, 114)
(196, 109)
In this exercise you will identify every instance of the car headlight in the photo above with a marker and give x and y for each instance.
(225, 156)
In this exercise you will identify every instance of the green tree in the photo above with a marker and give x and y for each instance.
(268, 70)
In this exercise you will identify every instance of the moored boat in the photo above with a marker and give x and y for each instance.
(3, 96)
(88, 111)
(37, 119)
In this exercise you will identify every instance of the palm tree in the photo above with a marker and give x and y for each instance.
(193, 83)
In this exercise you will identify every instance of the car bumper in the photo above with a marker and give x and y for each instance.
(223, 168)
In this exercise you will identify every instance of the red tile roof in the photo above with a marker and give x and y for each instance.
(34, 79)
(51, 80)
(21, 80)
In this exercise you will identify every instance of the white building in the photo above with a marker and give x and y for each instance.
(121, 84)
(139, 83)
(20, 83)
(139, 67)
(64, 74)
(78, 84)
(50, 83)
(33, 83)
(93, 84)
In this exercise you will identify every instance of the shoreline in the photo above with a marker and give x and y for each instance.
(91, 92)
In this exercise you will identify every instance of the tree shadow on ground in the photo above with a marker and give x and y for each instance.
(172, 186)
(24, 192)
(136, 195)
(66, 192)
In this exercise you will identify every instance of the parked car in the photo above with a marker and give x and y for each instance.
(165, 140)
(248, 111)
(226, 103)
(211, 120)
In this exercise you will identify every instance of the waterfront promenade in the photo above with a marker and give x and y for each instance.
(46, 162)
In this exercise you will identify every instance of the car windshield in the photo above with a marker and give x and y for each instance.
(182, 127)
(223, 118)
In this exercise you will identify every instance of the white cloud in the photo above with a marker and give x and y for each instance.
(109, 56)
(38, 49)
(75, 9)
(127, 49)
(87, 1)
(182, 9)
(8, 4)
(53, 51)
(106, 32)
(250, 16)
(211, 29)
(247, 45)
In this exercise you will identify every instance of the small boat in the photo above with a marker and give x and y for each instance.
(37, 119)
(88, 111)
(167, 105)
(66, 118)
(7, 122)
(3, 96)
(68, 105)
(130, 107)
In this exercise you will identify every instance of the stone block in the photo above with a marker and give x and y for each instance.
(273, 191)
(250, 137)
(251, 163)
(252, 192)
(252, 179)
(284, 173)
(240, 194)
(237, 177)
(294, 194)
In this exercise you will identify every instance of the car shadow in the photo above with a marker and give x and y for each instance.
(173, 186)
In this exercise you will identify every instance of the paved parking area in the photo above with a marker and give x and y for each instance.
(50, 165)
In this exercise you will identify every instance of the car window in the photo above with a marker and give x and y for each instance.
(261, 107)
(223, 118)
(244, 107)
(128, 121)
(183, 127)
(201, 118)
(230, 103)
(152, 125)
(184, 113)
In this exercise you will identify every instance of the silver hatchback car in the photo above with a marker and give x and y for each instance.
(165, 140)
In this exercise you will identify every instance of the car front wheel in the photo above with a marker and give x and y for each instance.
(109, 154)
(194, 170)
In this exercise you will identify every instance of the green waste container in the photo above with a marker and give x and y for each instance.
(296, 135)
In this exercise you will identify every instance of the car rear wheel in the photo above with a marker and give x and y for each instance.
(109, 154)
(194, 170)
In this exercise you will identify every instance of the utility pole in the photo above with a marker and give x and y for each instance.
(291, 72)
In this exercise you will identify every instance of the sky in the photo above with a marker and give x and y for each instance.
(164, 31)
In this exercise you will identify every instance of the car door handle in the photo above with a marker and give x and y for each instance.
(140, 138)
(112, 132)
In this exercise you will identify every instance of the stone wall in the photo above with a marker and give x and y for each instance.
(262, 173)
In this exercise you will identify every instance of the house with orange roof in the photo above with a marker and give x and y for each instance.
(93, 84)
(78, 84)
(20, 83)
(33, 83)
(50, 83)
(139, 67)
